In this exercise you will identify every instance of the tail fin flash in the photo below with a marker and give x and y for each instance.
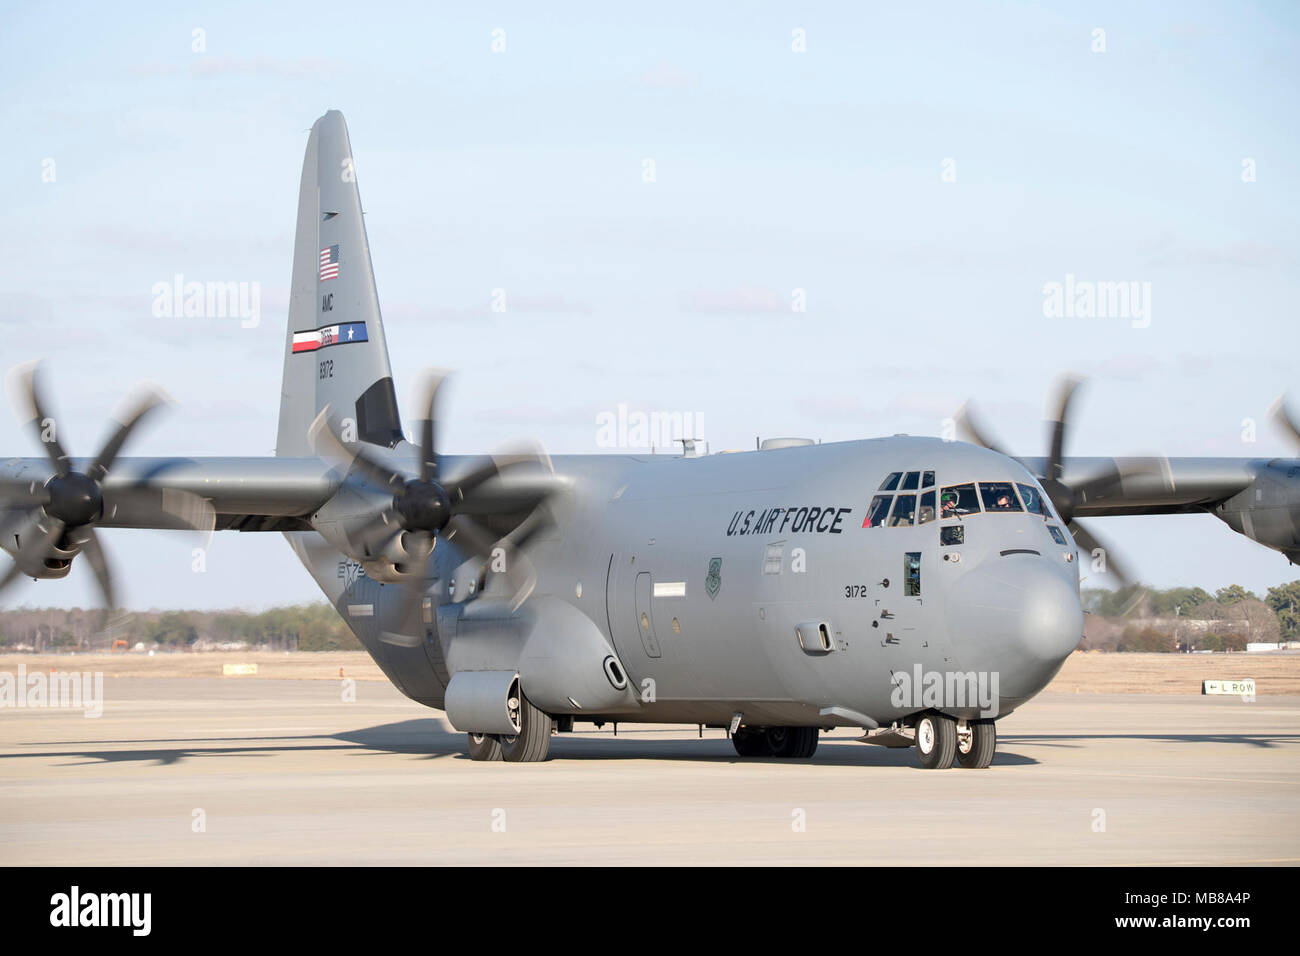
(335, 352)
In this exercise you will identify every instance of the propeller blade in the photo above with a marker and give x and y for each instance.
(25, 381)
(151, 398)
(22, 494)
(13, 574)
(1069, 385)
(966, 423)
(1282, 415)
(94, 553)
(429, 425)
(324, 440)
(457, 489)
(191, 511)
(1089, 542)
(468, 534)
(521, 576)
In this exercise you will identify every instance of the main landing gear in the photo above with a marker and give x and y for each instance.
(940, 740)
(530, 745)
(795, 742)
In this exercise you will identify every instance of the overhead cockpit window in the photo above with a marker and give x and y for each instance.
(911, 480)
(927, 479)
(1033, 499)
(999, 496)
(877, 511)
(904, 511)
(957, 501)
(890, 483)
(927, 508)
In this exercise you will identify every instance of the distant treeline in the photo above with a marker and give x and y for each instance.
(303, 627)
(1149, 619)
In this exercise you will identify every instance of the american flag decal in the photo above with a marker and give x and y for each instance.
(329, 262)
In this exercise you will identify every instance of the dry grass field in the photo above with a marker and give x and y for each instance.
(1083, 672)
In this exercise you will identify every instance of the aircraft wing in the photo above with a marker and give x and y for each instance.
(246, 494)
(1156, 485)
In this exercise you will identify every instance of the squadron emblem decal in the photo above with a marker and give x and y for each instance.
(713, 583)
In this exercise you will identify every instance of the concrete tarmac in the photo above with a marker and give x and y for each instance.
(210, 771)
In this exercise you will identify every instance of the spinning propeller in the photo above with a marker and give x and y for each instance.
(431, 505)
(1282, 415)
(1065, 498)
(47, 525)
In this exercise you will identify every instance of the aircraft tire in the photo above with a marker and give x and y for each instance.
(533, 742)
(936, 741)
(792, 742)
(750, 743)
(981, 746)
(484, 746)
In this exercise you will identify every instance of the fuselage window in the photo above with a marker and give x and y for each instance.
(952, 534)
(890, 483)
(1056, 534)
(911, 480)
(927, 479)
(912, 574)
(877, 511)
(1033, 499)
(927, 508)
(999, 496)
(957, 501)
(904, 511)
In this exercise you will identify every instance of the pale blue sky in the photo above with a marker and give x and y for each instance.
(775, 170)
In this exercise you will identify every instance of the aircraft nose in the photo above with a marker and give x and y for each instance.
(1016, 616)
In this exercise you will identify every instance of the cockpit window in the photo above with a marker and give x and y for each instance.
(927, 508)
(1056, 534)
(910, 480)
(957, 501)
(1033, 499)
(999, 496)
(904, 511)
(890, 483)
(877, 511)
(927, 479)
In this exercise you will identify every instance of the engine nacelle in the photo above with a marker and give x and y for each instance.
(54, 563)
(1268, 510)
(386, 552)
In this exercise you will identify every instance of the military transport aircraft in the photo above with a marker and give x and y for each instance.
(916, 588)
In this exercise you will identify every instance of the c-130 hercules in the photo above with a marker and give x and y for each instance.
(916, 588)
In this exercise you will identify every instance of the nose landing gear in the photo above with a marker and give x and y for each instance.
(976, 742)
(940, 740)
(936, 741)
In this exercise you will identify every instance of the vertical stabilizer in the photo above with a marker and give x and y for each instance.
(335, 352)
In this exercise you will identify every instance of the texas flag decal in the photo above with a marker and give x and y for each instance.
(344, 334)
